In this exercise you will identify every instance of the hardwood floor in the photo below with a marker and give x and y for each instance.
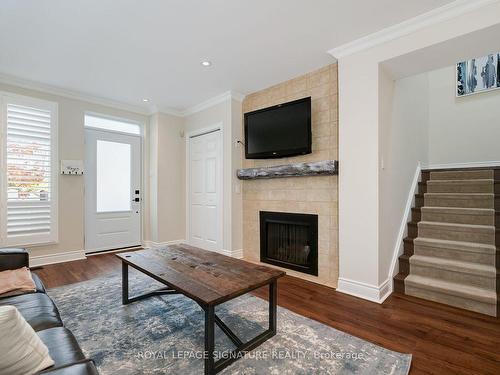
(442, 339)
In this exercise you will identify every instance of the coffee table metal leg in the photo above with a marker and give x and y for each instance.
(209, 340)
(273, 306)
(125, 300)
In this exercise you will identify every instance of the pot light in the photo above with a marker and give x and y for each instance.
(206, 63)
(145, 100)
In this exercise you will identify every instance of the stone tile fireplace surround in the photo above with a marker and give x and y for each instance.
(315, 195)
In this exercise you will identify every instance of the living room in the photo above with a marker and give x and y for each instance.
(254, 194)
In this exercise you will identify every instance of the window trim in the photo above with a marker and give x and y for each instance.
(53, 238)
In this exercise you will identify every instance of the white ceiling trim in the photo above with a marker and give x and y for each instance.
(71, 94)
(213, 101)
(446, 12)
(146, 111)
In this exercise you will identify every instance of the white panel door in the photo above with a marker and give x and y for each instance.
(205, 210)
(112, 190)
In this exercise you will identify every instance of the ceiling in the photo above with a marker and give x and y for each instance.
(128, 50)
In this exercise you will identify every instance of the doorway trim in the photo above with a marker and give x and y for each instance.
(220, 195)
(142, 173)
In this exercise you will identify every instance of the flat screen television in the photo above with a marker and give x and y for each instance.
(279, 131)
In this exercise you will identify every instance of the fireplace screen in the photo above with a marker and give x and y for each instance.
(289, 240)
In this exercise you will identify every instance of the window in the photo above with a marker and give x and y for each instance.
(105, 123)
(28, 129)
(113, 176)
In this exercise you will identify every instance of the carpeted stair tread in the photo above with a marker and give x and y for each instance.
(462, 175)
(465, 181)
(460, 186)
(460, 200)
(472, 247)
(459, 215)
(483, 270)
(457, 232)
(459, 210)
(459, 195)
(458, 227)
(455, 289)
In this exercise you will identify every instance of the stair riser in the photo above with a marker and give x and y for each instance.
(452, 235)
(399, 286)
(465, 256)
(463, 303)
(412, 230)
(486, 219)
(404, 266)
(466, 202)
(416, 215)
(442, 187)
(408, 247)
(462, 175)
(453, 276)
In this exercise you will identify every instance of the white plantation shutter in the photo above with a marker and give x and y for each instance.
(29, 175)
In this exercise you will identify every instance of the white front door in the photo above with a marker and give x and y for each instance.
(205, 191)
(112, 190)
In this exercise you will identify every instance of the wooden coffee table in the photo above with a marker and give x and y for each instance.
(209, 279)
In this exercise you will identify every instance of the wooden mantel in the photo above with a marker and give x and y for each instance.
(318, 168)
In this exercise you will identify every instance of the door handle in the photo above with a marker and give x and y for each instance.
(136, 200)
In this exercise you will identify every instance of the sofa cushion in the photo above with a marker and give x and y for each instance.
(62, 345)
(84, 368)
(37, 308)
(13, 258)
(22, 350)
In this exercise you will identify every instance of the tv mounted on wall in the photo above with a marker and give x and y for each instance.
(279, 131)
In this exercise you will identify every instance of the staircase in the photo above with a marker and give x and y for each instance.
(450, 254)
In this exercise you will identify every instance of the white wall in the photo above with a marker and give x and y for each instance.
(71, 146)
(167, 221)
(164, 171)
(361, 258)
(461, 130)
(403, 146)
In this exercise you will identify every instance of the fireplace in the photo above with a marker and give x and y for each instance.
(289, 240)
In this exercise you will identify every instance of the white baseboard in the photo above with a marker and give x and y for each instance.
(472, 164)
(366, 291)
(232, 253)
(149, 244)
(385, 289)
(68, 256)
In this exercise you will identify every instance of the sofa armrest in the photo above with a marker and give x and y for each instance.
(13, 258)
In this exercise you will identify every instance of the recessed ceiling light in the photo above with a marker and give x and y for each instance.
(145, 100)
(206, 63)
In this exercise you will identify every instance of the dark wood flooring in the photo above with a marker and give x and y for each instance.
(442, 339)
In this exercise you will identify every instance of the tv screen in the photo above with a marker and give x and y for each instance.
(279, 131)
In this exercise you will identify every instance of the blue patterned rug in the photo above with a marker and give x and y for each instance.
(164, 335)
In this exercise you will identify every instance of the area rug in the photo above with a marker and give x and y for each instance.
(164, 335)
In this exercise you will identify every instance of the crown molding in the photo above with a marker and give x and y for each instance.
(71, 94)
(168, 111)
(444, 13)
(143, 110)
(213, 101)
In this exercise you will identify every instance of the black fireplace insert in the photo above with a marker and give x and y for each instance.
(289, 240)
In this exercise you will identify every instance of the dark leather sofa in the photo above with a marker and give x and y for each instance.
(42, 314)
